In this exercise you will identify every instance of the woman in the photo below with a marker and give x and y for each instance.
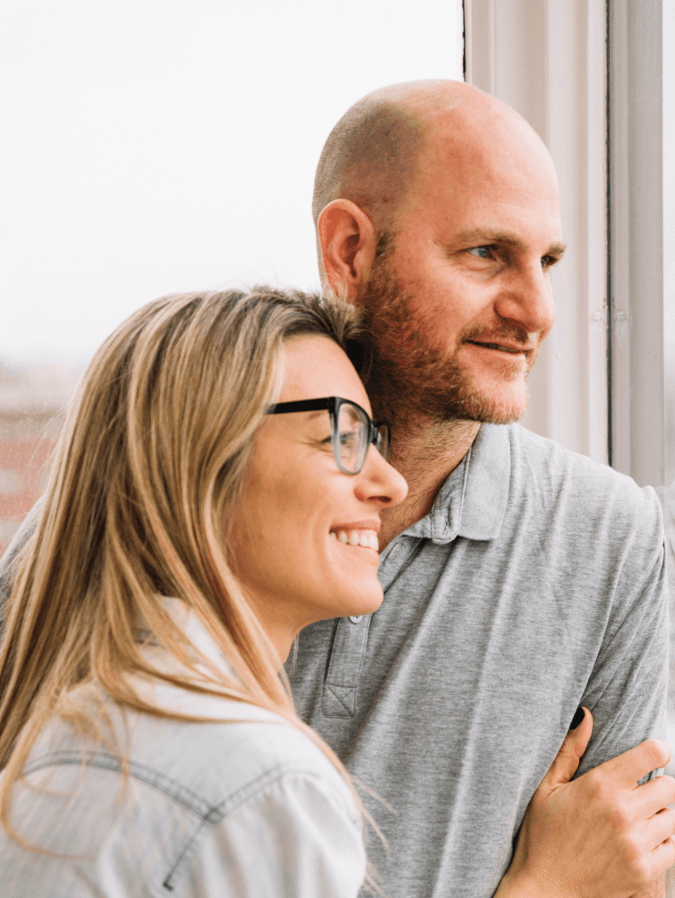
(216, 488)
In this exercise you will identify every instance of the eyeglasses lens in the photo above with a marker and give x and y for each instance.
(353, 432)
(383, 441)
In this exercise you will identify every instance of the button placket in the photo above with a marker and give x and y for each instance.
(346, 658)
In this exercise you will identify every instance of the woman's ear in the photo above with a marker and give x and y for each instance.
(348, 242)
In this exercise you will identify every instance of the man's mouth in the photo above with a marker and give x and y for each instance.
(500, 347)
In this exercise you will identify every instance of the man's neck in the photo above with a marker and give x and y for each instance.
(426, 454)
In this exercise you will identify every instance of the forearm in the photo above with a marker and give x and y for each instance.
(520, 887)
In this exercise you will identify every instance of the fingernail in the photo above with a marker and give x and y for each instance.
(579, 715)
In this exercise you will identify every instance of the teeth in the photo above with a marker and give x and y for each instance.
(367, 538)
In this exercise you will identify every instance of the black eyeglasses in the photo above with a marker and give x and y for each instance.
(352, 431)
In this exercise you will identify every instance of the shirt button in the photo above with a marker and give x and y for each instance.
(355, 618)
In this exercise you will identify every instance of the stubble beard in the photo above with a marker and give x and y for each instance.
(410, 380)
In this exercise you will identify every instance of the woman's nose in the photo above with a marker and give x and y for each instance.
(379, 480)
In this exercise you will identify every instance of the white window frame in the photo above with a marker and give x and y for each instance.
(636, 214)
(548, 60)
(599, 386)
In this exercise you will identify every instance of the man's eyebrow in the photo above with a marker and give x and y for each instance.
(484, 237)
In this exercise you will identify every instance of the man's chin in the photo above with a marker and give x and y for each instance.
(488, 409)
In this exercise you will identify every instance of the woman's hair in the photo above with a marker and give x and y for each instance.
(151, 458)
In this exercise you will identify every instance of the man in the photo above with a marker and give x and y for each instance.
(436, 212)
(521, 580)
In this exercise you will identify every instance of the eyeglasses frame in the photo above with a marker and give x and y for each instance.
(332, 404)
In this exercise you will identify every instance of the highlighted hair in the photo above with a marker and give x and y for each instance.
(151, 457)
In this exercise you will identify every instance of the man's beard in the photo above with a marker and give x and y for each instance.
(409, 379)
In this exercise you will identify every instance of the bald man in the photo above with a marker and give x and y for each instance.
(521, 580)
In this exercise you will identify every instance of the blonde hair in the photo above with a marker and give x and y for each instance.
(152, 455)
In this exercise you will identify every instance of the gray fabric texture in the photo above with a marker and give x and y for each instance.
(536, 584)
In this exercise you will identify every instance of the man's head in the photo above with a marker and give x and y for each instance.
(437, 213)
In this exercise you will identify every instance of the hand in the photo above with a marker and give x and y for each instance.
(600, 836)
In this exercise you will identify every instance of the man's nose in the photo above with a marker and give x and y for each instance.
(527, 299)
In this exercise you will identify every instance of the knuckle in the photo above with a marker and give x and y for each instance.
(620, 820)
(669, 782)
(598, 785)
(671, 820)
(656, 752)
(637, 860)
(642, 871)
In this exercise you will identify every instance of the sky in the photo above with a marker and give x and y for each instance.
(154, 146)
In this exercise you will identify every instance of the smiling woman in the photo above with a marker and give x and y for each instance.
(295, 498)
(186, 536)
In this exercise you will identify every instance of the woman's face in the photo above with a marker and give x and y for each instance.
(304, 533)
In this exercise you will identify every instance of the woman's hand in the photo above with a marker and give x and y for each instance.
(600, 836)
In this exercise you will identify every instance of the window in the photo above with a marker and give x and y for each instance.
(152, 147)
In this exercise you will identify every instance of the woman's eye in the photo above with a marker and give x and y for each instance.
(348, 439)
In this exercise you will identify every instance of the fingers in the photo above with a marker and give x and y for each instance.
(567, 760)
(631, 766)
(663, 856)
(651, 797)
(660, 828)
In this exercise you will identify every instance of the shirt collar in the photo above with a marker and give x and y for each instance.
(196, 634)
(472, 501)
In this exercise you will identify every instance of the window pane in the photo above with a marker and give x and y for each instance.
(153, 146)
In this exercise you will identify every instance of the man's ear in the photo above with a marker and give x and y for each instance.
(348, 242)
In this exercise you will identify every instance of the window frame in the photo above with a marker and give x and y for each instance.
(587, 74)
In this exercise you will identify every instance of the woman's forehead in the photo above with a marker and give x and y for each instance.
(315, 366)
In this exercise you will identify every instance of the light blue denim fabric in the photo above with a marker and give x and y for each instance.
(251, 808)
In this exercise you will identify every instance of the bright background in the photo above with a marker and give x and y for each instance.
(152, 146)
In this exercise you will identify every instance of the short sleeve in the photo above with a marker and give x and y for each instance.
(627, 692)
(298, 837)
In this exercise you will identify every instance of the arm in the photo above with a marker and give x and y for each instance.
(627, 688)
(599, 835)
(598, 828)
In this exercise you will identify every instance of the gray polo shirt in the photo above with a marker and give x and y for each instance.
(536, 584)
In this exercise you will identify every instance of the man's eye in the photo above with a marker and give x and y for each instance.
(548, 262)
(482, 252)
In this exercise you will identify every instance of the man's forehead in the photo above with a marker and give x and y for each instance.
(477, 172)
(487, 138)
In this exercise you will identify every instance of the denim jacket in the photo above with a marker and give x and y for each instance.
(247, 809)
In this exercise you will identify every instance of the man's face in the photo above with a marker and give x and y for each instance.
(461, 303)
